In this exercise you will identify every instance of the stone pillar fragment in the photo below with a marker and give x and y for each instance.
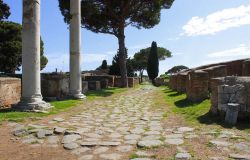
(31, 81)
(75, 87)
(232, 113)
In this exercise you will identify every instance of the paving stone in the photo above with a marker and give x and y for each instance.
(171, 136)
(137, 131)
(80, 150)
(242, 146)
(239, 156)
(115, 135)
(174, 141)
(132, 137)
(220, 143)
(59, 130)
(70, 138)
(100, 150)
(19, 130)
(86, 157)
(112, 156)
(43, 133)
(92, 135)
(131, 142)
(152, 133)
(107, 143)
(150, 143)
(89, 144)
(53, 140)
(125, 148)
(182, 156)
(70, 146)
(151, 137)
(185, 129)
(58, 119)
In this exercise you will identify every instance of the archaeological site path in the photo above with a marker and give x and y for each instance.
(136, 124)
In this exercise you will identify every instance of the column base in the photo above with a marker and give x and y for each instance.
(31, 105)
(77, 96)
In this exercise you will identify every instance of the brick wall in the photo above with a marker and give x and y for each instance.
(10, 91)
(197, 86)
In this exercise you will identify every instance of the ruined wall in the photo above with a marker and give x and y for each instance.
(234, 90)
(181, 82)
(173, 82)
(234, 68)
(132, 81)
(55, 85)
(246, 68)
(197, 86)
(94, 85)
(101, 78)
(10, 91)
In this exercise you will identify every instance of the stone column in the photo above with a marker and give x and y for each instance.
(31, 81)
(75, 86)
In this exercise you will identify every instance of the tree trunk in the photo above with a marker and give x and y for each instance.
(141, 74)
(122, 58)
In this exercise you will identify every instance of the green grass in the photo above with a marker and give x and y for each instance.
(180, 105)
(197, 113)
(104, 92)
(59, 106)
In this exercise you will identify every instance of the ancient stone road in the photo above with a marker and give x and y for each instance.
(130, 126)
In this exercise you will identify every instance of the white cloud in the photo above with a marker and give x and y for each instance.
(218, 21)
(240, 51)
(243, 51)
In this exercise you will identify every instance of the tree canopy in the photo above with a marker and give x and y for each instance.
(4, 10)
(141, 58)
(113, 16)
(11, 47)
(114, 69)
(176, 69)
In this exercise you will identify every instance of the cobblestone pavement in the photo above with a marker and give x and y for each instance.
(131, 127)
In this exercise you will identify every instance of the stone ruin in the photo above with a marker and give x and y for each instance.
(10, 91)
(197, 82)
(229, 95)
(231, 98)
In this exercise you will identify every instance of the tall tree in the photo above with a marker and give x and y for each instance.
(104, 65)
(141, 58)
(4, 10)
(153, 63)
(11, 47)
(114, 69)
(113, 16)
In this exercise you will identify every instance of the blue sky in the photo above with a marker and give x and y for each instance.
(197, 32)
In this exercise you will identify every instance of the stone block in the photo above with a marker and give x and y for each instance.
(173, 82)
(94, 85)
(84, 87)
(197, 86)
(110, 79)
(232, 113)
(10, 91)
(55, 85)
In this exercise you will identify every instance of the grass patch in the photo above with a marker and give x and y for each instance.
(104, 92)
(180, 105)
(59, 106)
(197, 113)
